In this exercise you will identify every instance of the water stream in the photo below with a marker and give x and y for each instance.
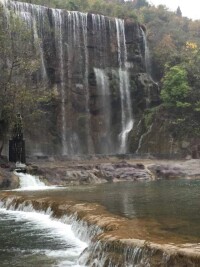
(31, 183)
(102, 81)
(146, 53)
(124, 84)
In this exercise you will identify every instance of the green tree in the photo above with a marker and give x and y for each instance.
(175, 88)
(20, 90)
(140, 3)
(178, 12)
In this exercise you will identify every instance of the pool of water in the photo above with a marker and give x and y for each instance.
(174, 204)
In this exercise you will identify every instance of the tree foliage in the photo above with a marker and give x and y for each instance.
(175, 89)
(19, 67)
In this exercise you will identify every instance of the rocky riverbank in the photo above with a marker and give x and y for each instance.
(95, 170)
(8, 180)
(89, 172)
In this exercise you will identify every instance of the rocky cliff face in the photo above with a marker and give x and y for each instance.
(96, 68)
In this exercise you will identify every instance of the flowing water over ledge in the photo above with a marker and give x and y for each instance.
(34, 239)
(162, 229)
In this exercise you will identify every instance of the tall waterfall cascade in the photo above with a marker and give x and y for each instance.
(85, 59)
(124, 85)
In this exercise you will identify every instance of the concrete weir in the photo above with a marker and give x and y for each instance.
(112, 240)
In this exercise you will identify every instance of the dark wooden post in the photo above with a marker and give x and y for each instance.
(17, 143)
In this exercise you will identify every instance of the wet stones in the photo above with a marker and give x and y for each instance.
(8, 180)
(124, 172)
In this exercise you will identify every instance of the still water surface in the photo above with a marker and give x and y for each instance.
(173, 203)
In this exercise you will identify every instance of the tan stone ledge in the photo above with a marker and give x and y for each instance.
(118, 233)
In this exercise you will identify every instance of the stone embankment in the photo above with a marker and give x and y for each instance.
(7, 178)
(94, 172)
(97, 171)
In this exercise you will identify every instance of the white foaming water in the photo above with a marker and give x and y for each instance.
(124, 135)
(30, 182)
(60, 244)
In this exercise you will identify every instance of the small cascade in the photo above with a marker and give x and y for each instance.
(142, 138)
(70, 229)
(30, 182)
(84, 243)
(147, 57)
(60, 245)
(27, 181)
(147, 61)
(104, 92)
(146, 54)
(124, 86)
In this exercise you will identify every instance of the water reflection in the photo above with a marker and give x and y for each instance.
(174, 205)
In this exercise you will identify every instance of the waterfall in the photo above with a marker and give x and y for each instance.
(31, 15)
(30, 182)
(73, 49)
(146, 53)
(58, 24)
(42, 236)
(85, 41)
(124, 86)
(99, 29)
(142, 138)
(104, 92)
(76, 25)
(147, 58)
